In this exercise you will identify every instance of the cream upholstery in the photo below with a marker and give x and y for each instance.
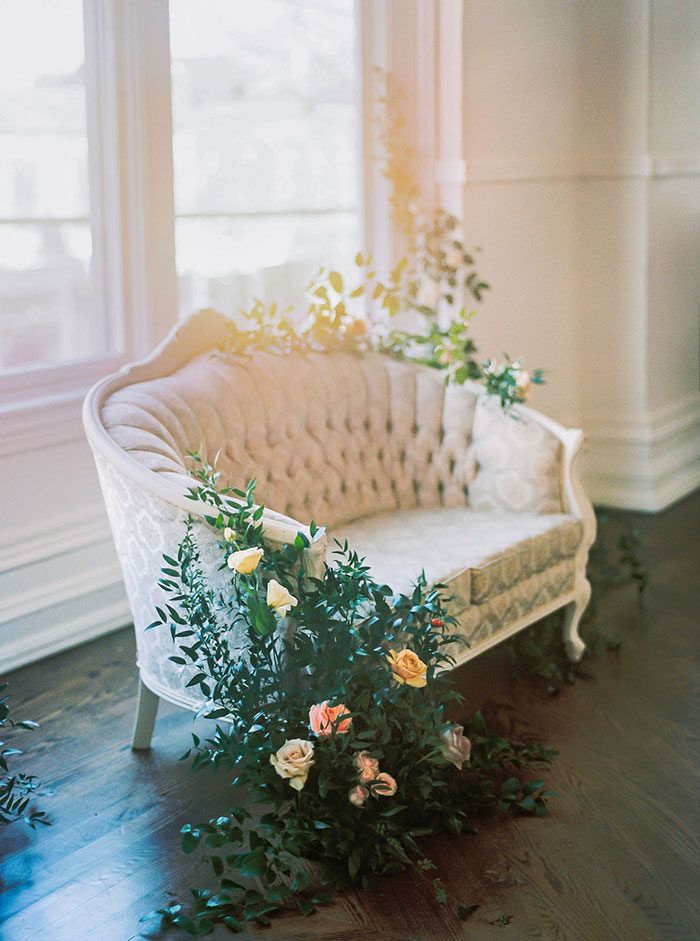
(476, 555)
(412, 472)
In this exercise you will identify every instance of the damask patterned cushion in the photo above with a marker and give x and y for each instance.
(477, 555)
(518, 463)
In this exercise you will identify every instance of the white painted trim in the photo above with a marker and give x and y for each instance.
(592, 167)
(56, 635)
(646, 463)
(451, 169)
(58, 591)
(37, 541)
(374, 55)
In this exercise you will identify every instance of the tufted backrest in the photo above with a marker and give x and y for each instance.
(328, 436)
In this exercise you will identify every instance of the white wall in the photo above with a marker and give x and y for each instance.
(582, 150)
(59, 578)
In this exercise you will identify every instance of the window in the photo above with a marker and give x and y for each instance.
(48, 313)
(266, 144)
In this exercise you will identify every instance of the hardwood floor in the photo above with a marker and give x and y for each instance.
(619, 857)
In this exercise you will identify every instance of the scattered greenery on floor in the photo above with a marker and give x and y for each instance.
(615, 561)
(17, 789)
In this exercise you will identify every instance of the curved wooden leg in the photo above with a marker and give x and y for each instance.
(572, 616)
(146, 709)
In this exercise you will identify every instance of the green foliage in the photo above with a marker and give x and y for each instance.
(420, 310)
(16, 787)
(264, 681)
(614, 561)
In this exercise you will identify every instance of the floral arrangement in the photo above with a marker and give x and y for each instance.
(339, 734)
(418, 310)
(16, 787)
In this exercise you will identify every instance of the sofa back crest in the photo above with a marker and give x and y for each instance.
(328, 436)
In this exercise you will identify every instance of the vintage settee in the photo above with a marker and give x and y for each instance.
(414, 473)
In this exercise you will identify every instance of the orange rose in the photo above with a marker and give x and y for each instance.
(407, 667)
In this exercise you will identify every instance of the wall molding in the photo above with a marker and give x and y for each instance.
(38, 540)
(581, 168)
(646, 463)
(63, 632)
(49, 594)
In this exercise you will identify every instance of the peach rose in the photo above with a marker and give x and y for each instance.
(453, 257)
(245, 561)
(383, 785)
(293, 761)
(358, 795)
(456, 747)
(323, 719)
(278, 598)
(522, 381)
(407, 667)
(358, 328)
(367, 766)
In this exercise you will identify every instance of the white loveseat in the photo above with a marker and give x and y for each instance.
(415, 474)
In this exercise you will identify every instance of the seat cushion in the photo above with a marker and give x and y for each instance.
(476, 555)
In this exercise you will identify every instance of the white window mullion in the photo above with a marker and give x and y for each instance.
(145, 154)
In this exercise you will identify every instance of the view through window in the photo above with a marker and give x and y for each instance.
(266, 144)
(46, 311)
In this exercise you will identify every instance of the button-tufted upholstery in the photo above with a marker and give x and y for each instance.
(330, 437)
(414, 473)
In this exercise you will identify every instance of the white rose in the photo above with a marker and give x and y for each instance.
(279, 598)
(293, 761)
(429, 293)
(456, 747)
(453, 257)
(245, 561)
(229, 534)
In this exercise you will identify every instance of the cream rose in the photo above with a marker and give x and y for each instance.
(279, 598)
(293, 761)
(229, 534)
(456, 747)
(245, 561)
(383, 785)
(407, 667)
(367, 766)
(358, 795)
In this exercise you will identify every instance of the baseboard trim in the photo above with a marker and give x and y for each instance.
(646, 463)
(57, 636)
(39, 540)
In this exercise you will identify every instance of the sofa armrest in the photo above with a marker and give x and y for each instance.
(575, 500)
(526, 462)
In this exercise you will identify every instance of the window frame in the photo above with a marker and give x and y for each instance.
(127, 77)
(132, 213)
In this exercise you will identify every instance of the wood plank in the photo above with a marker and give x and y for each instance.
(619, 856)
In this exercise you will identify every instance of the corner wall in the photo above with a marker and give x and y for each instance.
(582, 184)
